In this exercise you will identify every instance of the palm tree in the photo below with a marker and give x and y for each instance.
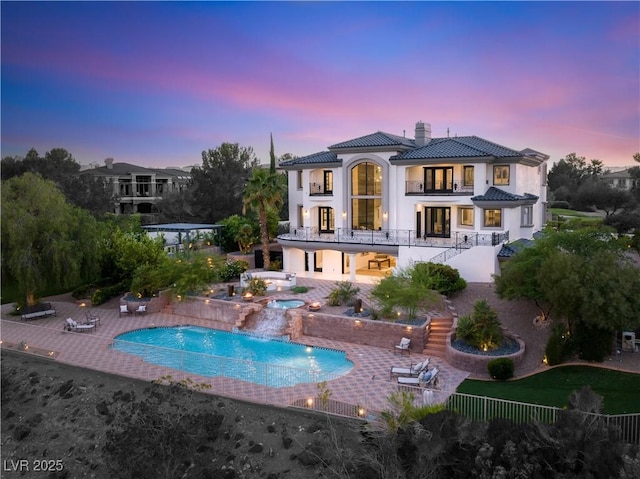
(264, 192)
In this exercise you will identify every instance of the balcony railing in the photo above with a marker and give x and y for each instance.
(319, 189)
(439, 188)
(394, 237)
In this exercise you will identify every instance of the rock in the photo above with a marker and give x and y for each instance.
(20, 432)
(271, 428)
(256, 448)
(102, 408)
(286, 441)
(64, 391)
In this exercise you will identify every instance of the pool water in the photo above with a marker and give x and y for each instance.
(210, 352)
(285, 303)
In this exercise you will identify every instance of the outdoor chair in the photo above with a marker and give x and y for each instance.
(92, 318)
(424, 379)
(142, 309)
(412, 371)
(124, 309)
(403, 346)
(71, 325)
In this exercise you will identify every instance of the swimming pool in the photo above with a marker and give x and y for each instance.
(210, 352)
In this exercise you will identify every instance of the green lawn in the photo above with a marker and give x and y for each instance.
(621, 391)
(565, 212)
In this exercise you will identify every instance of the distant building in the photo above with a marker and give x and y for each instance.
(620, 179)
(381, 201)
(137, 189)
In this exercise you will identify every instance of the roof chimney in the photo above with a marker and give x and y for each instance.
(109, 163)
(423, 133)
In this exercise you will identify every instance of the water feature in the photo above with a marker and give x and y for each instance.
(272, 320)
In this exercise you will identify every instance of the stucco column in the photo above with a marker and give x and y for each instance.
(352, 267)
(310, 263)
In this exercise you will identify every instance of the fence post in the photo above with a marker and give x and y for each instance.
(484, 408)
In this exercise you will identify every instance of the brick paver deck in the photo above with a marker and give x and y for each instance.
(368, 384)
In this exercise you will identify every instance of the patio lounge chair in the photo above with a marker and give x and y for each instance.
(412, 371)
(142, 309)
(92, 318)
(424, 379)
(124, 309)
(71, 325)
(403, 346)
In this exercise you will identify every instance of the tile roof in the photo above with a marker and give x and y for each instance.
(459, 147)
(508, 250)
(321, 157)
(496, 194)
(119, 169)
(376, 139)
(437, 148)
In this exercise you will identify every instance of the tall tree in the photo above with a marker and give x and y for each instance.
(59, 166)
(584, 275)
(45, 240)
(272, 158)
(218, 184)
(264, 192)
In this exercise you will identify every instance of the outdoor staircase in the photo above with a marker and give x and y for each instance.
(438, 330)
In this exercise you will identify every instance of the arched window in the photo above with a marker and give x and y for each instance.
(366, 196)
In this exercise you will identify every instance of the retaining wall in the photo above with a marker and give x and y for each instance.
(477, 363)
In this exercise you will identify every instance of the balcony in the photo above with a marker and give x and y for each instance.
(319, 189)
(458, 239)
(450, 188)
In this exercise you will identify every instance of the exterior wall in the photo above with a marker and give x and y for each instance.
(478, 264)
(401, 209)
(364, 331)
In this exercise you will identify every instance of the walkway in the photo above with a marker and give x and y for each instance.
(367, 385)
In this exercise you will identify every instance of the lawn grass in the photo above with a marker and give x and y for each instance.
(620, 390)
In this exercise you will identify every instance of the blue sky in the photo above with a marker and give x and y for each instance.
(156, 83)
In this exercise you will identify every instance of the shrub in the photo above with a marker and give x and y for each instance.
(299, 289)
(232, 270)
(501, 368)
(482, 329)
(402, 292)
(560, 204)
(438, 277)
(275, 265)
(593, 343)
(257, 286)
(343, 293)
(101, 295)
(558, 348)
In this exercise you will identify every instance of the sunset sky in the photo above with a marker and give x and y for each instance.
(155, 84)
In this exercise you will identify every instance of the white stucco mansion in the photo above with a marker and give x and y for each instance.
(383, 200)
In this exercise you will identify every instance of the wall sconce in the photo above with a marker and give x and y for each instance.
(385, 215)
(310, 402)
(306, 213)
(344, 214)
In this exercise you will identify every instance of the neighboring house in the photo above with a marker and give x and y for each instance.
(137, 189)
(382, 200)
(620, 179)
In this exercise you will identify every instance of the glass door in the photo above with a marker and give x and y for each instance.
(437, 222)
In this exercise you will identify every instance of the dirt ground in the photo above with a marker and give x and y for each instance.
(55, 420)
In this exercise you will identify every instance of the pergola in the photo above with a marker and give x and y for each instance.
(184, 228)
